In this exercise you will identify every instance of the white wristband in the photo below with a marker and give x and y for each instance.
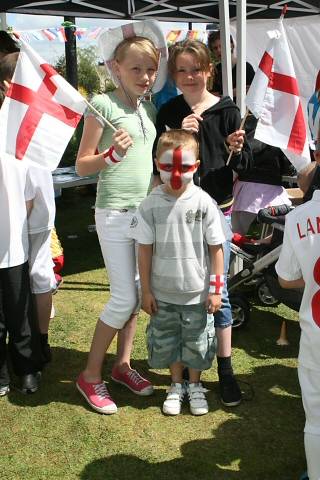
(216, 284)
(111, 157)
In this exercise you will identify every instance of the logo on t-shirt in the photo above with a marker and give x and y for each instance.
(194, 216)
(134, 222)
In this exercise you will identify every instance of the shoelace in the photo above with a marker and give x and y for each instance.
(101, 390)
(135, 377)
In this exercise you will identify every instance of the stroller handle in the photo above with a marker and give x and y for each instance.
(271, 215)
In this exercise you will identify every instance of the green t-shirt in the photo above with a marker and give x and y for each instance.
(125, 184)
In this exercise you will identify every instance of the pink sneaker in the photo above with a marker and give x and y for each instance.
(133, 380)
(96, 395)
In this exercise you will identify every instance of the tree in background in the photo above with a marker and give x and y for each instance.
(92, 79)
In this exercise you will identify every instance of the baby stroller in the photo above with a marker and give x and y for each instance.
(252, 268)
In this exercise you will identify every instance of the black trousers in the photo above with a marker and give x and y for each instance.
(18, 321)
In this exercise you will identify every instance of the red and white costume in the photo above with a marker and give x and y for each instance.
(300, 257)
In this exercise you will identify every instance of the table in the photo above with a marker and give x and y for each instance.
(67, 177)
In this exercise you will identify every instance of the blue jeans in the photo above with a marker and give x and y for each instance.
(223, 318)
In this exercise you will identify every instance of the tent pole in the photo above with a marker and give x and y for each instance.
(71, 54)
(241, 55)
(3, 20)
(225, 47)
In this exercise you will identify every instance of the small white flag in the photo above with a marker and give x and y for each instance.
(274, 99)
(40, 112)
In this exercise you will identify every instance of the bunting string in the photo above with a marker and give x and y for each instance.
(90, 34)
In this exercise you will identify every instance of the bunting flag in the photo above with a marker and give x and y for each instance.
(40, 112)
(274, 99)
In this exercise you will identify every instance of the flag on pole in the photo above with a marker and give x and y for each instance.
(40, 112)
(274, 99)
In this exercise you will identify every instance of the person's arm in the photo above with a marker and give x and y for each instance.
(288, 267)
(88, 161)
(149, 304)
(213, 302)
(299, 283)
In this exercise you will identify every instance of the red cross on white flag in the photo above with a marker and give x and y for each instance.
(274, 98)
(40, 112)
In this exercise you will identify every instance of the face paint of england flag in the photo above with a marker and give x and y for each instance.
(177, 167)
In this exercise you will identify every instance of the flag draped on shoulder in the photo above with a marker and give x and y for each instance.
(40, 112)
(274, 99)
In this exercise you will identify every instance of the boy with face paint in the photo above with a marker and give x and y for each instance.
(180, 236)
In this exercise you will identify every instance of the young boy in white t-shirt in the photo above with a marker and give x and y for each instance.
(40, 223)
(180, 236)
(299, 266)
(17, 320)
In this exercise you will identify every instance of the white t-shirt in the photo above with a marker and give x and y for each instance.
(15, 189)
(43, 211)
(300, 257)
(180, 229)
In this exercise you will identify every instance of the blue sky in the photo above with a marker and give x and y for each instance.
(50, 51)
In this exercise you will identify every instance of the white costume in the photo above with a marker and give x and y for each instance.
(300, 257)
(40, 224)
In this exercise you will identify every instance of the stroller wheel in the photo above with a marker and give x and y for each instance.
(240, 310)
(265, 296)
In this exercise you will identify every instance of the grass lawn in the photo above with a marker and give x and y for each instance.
(55, 435)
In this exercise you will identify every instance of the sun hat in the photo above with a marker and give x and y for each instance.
(109, 39)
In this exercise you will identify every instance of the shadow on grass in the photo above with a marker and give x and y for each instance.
(258, 338)
(58, 383)
(254, 443)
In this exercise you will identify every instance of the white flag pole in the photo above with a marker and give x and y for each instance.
(243, 121)
(99, 115)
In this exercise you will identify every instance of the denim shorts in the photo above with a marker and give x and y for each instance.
(181, 333)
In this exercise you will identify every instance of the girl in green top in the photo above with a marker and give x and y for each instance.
(133, 54)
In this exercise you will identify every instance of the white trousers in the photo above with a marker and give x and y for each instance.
(310, 389)
(119, 254)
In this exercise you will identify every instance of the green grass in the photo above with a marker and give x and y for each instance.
(54, 434)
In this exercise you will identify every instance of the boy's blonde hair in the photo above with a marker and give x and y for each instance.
(177, 138)
(198, 49)
(141, 44)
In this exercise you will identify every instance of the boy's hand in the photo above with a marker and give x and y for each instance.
(213, 302)
(191, 123)
(148, 303)
(121, 141)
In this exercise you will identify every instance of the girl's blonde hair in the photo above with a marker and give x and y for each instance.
(142, 44)
(195, 48)
(177, 138)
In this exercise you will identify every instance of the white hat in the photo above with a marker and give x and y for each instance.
(110, 39)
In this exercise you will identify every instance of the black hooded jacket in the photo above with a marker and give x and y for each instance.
(218, 122)
(269, 163)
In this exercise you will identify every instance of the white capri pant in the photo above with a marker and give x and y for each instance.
(41, 273)
(119, 254)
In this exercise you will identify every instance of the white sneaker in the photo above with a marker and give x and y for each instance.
(172, 404)
(4, 390)
(198, 403)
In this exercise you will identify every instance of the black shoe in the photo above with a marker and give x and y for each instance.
(30, 382)
(230, 392)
